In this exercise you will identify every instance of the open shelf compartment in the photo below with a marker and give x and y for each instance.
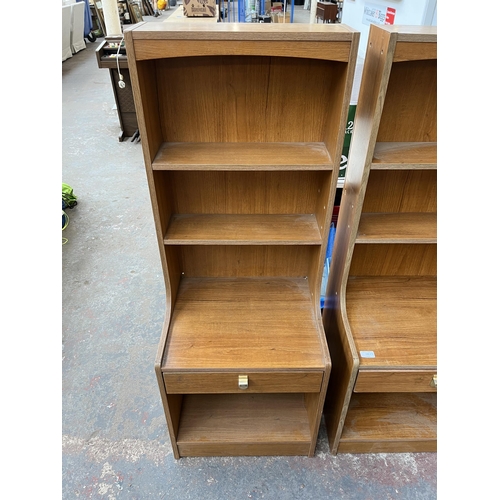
(396, 422)
(244, 424)
(243, 207)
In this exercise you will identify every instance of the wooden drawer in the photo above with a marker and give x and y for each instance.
(396, 381)
(258, 382)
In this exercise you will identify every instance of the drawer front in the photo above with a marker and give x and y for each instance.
(221, 383)
(396, 381)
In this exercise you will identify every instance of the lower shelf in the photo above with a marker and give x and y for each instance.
(394, 318)
(395, 422)
(243, 324)
(243, 424)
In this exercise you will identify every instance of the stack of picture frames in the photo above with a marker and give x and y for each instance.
(147, 8)
(136, 9)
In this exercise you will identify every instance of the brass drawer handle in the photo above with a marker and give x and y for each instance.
(434, 381)
(243, 381)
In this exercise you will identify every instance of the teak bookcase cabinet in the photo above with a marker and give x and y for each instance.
(380, 311)
(242, 127)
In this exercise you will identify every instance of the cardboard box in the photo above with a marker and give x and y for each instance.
(280, 17)
(199, 8)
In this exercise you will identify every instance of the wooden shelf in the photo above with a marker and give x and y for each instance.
(226, 229)
(405, 156)
(395, 318)
(397, 422)
(243, 323)
(219, 424)
(397, 228)
(243, 156)
(242, 176)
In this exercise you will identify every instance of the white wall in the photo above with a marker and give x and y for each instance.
(412, 12)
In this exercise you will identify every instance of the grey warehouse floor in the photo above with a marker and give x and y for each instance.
(114, 437)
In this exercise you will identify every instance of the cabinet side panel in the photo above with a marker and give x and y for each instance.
(337, 104)
(172, 404)
(325, 197)
(345, 361)
(315, 401)
(143, 75)
(164, 201)
(342, 378)
(341, 345)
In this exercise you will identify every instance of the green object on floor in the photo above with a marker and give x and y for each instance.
(68, 196)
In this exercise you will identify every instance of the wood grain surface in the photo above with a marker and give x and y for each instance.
(242, 424)
(247, 323)
(390, 422)
(396, 319)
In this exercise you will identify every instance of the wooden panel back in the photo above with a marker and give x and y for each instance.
(394, 260)
(246, 98)
(232, 192)
(410, 107)
(246, 261)
(401, 191)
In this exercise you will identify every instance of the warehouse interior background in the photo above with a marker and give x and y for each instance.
(34, 276)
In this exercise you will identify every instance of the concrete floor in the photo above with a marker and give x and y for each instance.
(114, 436)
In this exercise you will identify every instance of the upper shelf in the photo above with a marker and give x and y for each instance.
(404, 156)
(243, 156)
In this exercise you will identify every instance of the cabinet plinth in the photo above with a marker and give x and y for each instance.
(242, 178)
(380, 314)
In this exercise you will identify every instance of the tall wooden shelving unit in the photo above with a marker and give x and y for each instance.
(242, 127)
(380, 308)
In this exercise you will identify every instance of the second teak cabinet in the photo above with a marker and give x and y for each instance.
(380, 310)
(242, 127)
